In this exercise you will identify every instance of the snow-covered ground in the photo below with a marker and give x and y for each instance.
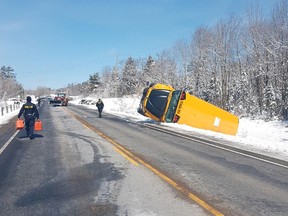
(269, 138)
(7, 116)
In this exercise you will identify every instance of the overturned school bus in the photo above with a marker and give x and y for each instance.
(165, 104)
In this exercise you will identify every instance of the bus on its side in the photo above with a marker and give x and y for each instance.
(165, 104)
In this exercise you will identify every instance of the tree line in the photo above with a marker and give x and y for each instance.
(239, 64)
(9, 86)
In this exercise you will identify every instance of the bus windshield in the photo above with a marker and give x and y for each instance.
(172, 106)
(157, 102)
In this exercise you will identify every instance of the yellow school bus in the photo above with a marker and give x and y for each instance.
(165, 104)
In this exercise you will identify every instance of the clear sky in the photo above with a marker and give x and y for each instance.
(55, 42)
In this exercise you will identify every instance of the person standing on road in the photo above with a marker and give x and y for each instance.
(39, 102)
(30, 113)
(100, 106)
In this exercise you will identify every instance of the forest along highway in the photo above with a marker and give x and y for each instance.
(83, 165)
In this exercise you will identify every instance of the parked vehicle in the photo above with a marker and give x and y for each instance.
(165, 104)
(60, 99)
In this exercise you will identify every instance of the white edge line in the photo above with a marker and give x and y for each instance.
(8, 142)
(243, 154)
(230, 150)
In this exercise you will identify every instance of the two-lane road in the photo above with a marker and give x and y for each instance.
(234, 183)
(83, 165)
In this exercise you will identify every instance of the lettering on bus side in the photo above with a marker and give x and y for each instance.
(179, 107)
(217, 122)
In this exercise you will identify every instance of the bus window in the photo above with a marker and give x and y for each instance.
(172, 106)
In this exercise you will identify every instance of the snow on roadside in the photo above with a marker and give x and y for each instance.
(11, 114)
(7, 116)
(269, 138)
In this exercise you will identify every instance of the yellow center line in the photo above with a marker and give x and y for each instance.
(126, 156)
(182, 189)
(136, 160)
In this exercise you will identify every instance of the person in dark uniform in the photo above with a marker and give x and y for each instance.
(39, 101)
(30, 113)
(100, 106)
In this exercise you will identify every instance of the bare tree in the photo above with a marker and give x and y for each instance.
(225, 38)
(199, 69)
(280, 50)
(166, 69)
(182, 55)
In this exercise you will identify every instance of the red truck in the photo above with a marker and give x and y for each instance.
(60, 99)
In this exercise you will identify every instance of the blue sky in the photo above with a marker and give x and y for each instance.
(55, 42)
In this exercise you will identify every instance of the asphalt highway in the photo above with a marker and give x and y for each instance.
(80, 164)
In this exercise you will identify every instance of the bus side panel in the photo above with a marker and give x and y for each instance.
(198, 113)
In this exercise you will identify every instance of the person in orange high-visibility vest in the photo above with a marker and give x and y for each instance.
(30, 113)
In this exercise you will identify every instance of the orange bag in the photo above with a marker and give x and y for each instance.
(38, 125)
(19, 124)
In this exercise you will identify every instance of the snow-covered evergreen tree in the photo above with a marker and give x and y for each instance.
(9, 87)
(94, 82)
(129, 80)
(269, 101)
(149, 71)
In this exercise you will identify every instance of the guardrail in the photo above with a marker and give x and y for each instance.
(8, 108)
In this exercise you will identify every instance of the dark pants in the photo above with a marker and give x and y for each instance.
(29, 125)
(100, 112)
